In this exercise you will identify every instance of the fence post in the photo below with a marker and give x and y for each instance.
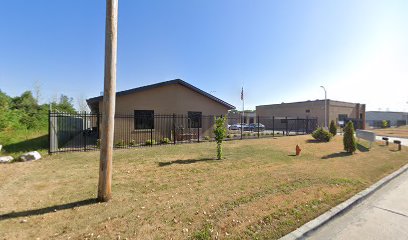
(200, 122)
(307, 125)
(151, 136)
(273, 126)
(297, 125)
(84, 132)
(49, 132)
(242, 118)
(257, 119)
(287, 134)
(174, 128)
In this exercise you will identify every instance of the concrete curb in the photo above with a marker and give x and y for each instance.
(303, 231)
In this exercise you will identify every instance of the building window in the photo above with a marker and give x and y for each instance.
(361, 116)
(307, 110)
(342, 117)
(144, 119)
(194, 119)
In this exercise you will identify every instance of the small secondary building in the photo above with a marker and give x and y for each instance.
(375, 118)
(151, 107)
(340, 112)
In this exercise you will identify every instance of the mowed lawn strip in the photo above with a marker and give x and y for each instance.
(260, 190)
(401, 132)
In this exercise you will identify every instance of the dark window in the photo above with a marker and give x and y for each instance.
(307, 110)
(251, 120)
(194, 119)
(361, 116)
(144, 119)
(342, 117)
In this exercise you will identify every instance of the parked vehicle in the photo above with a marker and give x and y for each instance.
(247, 127)
(235, 127)
(254, 127)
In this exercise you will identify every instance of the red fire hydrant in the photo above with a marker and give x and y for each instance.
(298, 150)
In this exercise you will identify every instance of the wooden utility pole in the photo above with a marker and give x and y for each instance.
(109, 95)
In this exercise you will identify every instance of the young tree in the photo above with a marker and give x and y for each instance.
(349, 141)
(220, 132)
(81, 103)
(384, 124)
(333, 128)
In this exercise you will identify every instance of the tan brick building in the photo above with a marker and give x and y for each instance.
(336, 110)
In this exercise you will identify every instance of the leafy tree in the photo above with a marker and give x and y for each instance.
(64, 104)
(25, 102)
(333, 128)
(220, 132)
(4, 101)
(349, 141)
(384, 124)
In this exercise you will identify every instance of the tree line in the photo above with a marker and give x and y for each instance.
(25, 112)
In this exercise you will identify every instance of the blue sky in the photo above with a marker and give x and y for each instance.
(281, 51)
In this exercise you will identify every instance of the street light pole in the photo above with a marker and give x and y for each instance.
(325, 107)
(406, 122)
(109, 97)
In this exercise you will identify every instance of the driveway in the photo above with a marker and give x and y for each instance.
(383, 215)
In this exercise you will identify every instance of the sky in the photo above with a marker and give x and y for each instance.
(279, 51)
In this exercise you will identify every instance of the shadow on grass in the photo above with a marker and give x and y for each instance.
(313, 141)
(188, 161)
(291, 155)
(45, 210)
(336, 155)
(362, 148)
(38, 143)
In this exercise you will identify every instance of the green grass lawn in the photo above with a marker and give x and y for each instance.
(259, 191)
(18, 142)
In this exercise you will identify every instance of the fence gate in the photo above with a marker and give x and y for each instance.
(73, 131)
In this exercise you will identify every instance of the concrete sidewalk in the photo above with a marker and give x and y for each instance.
(383, 215)
(404, 141)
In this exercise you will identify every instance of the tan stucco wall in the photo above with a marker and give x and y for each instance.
(168, 99)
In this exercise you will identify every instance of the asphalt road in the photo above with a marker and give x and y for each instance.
(383, 215)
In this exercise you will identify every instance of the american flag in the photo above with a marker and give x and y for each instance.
(242, 94)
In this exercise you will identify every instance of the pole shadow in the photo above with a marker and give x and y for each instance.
(45, 210)
(336, 155)
(187, 161)
(362, 148)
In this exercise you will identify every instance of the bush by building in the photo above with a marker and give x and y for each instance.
(333, 128)
(322, 135)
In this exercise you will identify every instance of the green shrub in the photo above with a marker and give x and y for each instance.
(322, 135)
(220, 132)
(333, 128)
(98, 143)
(207, 138)
(120, 144)
(349, 141)
(228, 136)
(165, 141)
(384, 124)
(132, 143)
(150, 142)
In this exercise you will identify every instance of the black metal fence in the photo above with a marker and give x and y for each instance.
(81, 131)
